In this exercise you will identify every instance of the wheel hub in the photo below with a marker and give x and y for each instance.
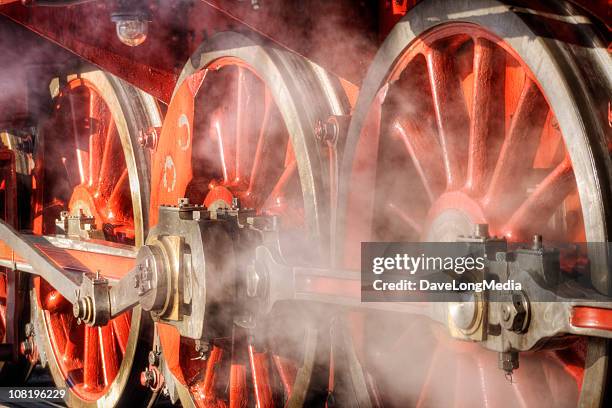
(453, 214)
(82, 202)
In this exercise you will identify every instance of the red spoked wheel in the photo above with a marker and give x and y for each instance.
(89, 163)
(466, 119)
(240, 127)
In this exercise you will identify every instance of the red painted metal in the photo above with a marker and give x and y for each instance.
(341, 36)
(238, 397)
(178, 27)
(87, 31)
(287, 372)
(205, 392)
(260, 373)
(591, 318)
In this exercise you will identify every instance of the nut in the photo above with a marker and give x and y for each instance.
(515, 314)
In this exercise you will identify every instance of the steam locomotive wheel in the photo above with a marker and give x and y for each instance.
(240, 126)
(88, 163)
(474, 117)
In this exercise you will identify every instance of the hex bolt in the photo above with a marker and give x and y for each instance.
(537, 242)
(515, 314)
(202, 347)
(148, 138)
(26, 348)
(235, 203)
(326, 131)
(481, 230)
(508, 361)
(83, 309)
(153, 358)
(183, 202)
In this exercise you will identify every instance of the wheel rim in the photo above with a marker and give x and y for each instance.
(90, 173)
(263, 155)
(445, 85)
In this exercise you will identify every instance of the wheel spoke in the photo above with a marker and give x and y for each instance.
(493, 384)
(289, 154)
(91, 360)
(451, 114)
(269, 164)
(100, 118)
(95, 155)
(287, 372)
(278, 194)
(110, 364)
(121, 327)
(206, 389)
(518, 150)
(410, 221)
(117, 201)
(427, 386)
(3, 286)
(109, 161)
(68, 327)
(81, 137)
(261, 378)
(222, 152)
(536, 211)
(487, 123)
(267, 144)
(462, 393)
(527, 391)
(261, 139)
(60, 338)
(426, 156)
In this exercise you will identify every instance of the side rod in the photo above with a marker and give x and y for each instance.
(65, 281)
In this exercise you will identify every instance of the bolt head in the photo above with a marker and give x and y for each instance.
(26, 347)
(76, 309)
(153, 358)
(508, 361)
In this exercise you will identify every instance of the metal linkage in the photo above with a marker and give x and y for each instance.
(36, 262)
(200, 266)
(550, 304)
